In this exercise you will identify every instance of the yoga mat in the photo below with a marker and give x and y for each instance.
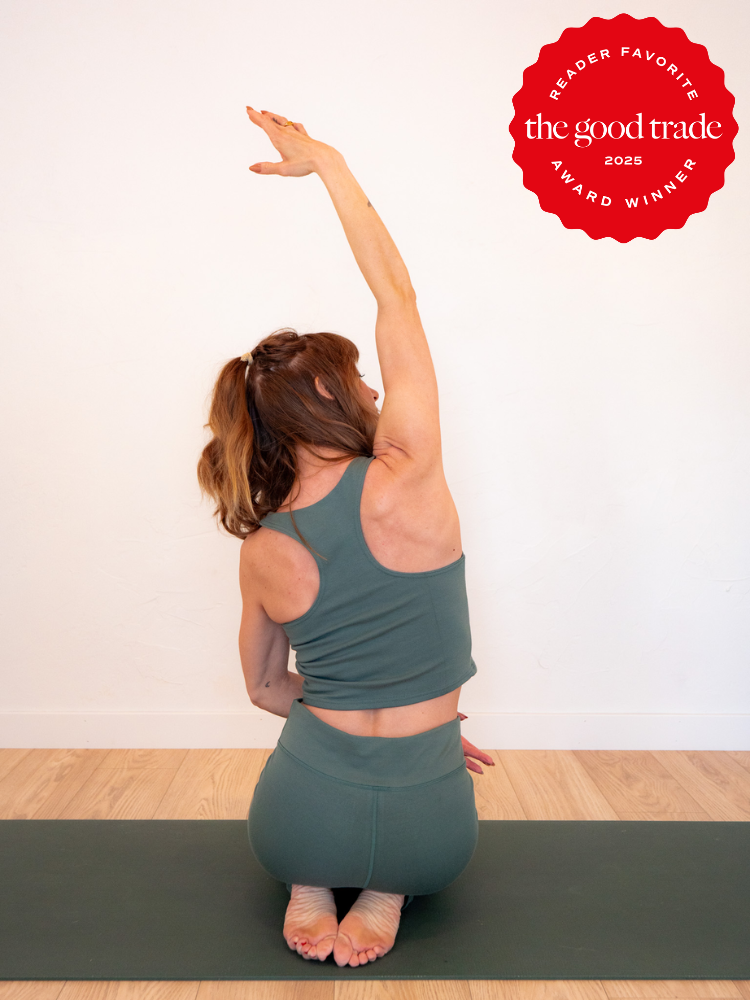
(185, 899)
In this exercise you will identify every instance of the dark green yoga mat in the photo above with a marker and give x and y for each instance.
(185, 899)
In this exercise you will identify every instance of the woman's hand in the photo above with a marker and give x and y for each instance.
(300, 155)
(471, 751)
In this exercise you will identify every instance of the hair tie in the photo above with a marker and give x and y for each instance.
(248, 357)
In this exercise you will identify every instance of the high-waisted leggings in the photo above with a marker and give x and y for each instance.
(393, 814)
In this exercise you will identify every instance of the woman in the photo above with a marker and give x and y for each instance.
(352, 553)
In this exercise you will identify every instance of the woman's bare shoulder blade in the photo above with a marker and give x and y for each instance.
(396, 485)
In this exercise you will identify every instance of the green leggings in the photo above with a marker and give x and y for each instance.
(390, 814)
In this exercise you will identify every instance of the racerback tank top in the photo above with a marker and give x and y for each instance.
(374, 637)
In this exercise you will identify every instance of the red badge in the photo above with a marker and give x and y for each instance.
(623, 128)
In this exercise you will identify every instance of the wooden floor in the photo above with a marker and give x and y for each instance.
(524, 784)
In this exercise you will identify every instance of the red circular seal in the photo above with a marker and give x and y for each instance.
(623, 128)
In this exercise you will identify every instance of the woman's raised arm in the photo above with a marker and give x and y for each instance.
(409, 425)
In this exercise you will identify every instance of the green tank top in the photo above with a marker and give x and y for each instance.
(374, 637)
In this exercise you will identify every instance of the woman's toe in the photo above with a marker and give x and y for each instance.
(325, 947)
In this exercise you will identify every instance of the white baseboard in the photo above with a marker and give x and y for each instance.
(490, 731)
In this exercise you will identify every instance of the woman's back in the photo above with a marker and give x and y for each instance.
(410, 525)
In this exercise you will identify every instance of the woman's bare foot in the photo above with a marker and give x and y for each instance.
(311, 923)
(369, 929)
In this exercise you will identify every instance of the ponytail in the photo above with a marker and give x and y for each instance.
(263, 405)
(222, 469)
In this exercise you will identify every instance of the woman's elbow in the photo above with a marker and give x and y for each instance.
(256, 696)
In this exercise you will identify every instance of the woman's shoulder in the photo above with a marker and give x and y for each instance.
(402, 493)
(265, 553)
(409, 520)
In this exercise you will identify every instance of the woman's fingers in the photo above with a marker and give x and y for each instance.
(473, 767)
(471, 751)
(484, 757)
(281, 120)
(263, 121)
(277, 119)
(256, 117)
(268, 121)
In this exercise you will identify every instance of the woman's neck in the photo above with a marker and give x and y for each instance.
(309, 465)
(316, 477)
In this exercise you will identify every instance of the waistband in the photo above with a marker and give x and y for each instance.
(395, 761)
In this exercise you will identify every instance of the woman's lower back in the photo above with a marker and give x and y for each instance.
(401, 720)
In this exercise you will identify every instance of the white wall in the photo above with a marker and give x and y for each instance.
(595, 395)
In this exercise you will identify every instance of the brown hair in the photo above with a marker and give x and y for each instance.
(261, 411)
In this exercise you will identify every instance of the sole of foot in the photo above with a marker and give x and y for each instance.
(311, 924)
(369, 929)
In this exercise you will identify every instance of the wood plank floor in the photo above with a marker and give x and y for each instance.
(523, 784)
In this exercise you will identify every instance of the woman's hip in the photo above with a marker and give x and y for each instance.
(392, 814)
